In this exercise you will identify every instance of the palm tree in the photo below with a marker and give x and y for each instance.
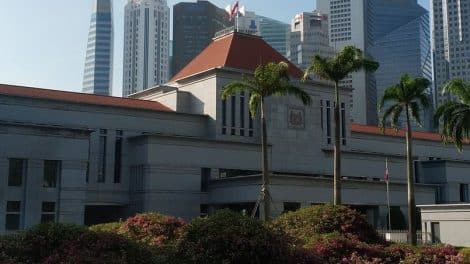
(270, 79)
(455, 115)
(408, 96)
(347, 61)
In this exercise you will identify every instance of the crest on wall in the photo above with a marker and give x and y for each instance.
(296, 118)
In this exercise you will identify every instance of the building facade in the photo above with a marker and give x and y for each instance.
(275, 33)
(146, 45)
(402, 45)
(350, 23)
(450, 42)
(98, 72)
(180, 149)
(309, 37)
(194, 26)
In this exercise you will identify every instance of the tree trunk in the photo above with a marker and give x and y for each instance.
(411, 183)
(265, 171)
(337, 150)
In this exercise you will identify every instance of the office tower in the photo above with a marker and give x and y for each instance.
(248, 22)
(350, 23)
(402, 45)
(275, 33)
(194, 26)
(97, 77)
(309, 37)
(146, 45)
(450, 42)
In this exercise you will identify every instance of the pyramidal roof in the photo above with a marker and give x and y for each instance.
(237, 51)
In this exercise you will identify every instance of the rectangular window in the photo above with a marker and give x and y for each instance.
(12, 216)
(343, 123)
(102, 156)
(205, 178)
(233, 106)
(224, 117)
(118, 157)
(291, 206)
(328, 122)
(52, 170)
(464, 193)
(16, 171)
(48, 212)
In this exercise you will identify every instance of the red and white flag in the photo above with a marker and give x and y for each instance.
(234, 11)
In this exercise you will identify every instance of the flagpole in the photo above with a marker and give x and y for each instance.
(388, 196)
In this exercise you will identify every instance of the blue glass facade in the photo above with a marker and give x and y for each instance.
(275, 33)
(99, 55)
(402, 45)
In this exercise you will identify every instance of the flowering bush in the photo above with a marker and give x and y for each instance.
(311, 223)
(101, 247)
(441, 254)
(153, 229)
(229, 237)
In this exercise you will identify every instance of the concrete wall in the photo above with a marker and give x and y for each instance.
(453, 220)
(36, 144)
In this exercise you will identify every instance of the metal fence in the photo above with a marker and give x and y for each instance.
(401, 236)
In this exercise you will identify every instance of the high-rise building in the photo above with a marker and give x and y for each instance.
(402, 45)
(146, 45)
(309, 37)
(275, 33)
(97, 77)
(194, 26)
(450, 42)
(350, 23)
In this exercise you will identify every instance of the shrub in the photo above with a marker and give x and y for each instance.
(101, 247)
(228, 237)
(338, 249)
(12, 250)
(313, 222)
(466, 254)
(153, 229)
(40, 241)
(441, 254)
(108, 227)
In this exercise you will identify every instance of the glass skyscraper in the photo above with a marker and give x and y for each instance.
(99, 54)
(275, 33)
(194, 26)
(402, 45)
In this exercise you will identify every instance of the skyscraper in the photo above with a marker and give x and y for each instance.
(309, 37)
(146, 45)
(275, 33)
(402, 45)
(97, 77)
(350, 23)
(450, 42)
(194, 26)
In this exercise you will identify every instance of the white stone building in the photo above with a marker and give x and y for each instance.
(146, 45)
(179, 149)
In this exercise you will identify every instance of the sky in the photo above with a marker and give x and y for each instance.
(43, 43)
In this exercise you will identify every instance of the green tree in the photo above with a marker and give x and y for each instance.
(346, 61)
(408, 96)
(455, 115)
(270, 79)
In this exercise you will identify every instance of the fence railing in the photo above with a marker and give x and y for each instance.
(401, 236)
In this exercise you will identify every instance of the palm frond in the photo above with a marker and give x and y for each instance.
(458, 87)
(235, 87)
(253, 104)
(295, 91)
(414, 112)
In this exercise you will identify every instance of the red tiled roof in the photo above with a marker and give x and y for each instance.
(81, 98)
(238, 51)
(393, 132)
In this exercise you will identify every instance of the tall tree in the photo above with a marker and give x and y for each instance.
(408, 96)
(270, 79)
(455, 115)
(346, 61)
